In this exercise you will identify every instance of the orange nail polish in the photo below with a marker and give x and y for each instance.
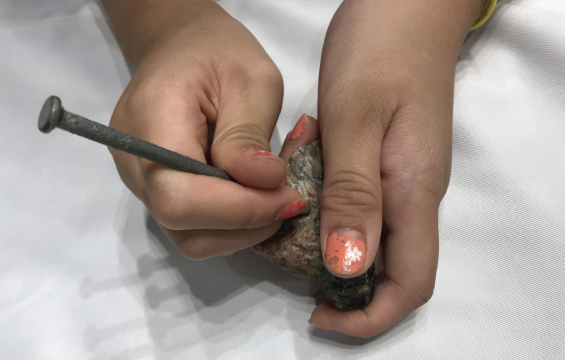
(299, 127)
(345, 251)
(263, 153)
(292, 209)
(255, 154)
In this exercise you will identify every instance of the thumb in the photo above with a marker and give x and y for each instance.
(245, 124)
(351, 208)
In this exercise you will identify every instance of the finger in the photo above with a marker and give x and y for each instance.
(351, 211)
(180, 200)
(151, 114)
(410, 258)
(204, 244)
(414, 180)
(304, 132)
(248, 112)
(359, 323)
(183, 201)
(353, 323)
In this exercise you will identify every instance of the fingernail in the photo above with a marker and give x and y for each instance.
(298, 128)
(291, 210)
(345, 251)
(258, 154)
(316, 325)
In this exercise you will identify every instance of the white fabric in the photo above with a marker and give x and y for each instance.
(85, 274)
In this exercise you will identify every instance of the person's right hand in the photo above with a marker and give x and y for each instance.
(203, 87)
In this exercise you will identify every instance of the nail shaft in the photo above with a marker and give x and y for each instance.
(80, 126)
(54, 115)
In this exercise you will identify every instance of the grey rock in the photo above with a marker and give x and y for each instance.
(348, 294)
(296, 246)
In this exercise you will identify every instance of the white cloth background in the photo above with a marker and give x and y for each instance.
(85, 274)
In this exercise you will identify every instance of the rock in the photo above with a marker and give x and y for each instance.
(348, 294)
(296, 246)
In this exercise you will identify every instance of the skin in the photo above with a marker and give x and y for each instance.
(385, 106)
(204, 87)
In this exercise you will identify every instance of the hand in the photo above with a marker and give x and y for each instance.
(385, 111)
(205, 88)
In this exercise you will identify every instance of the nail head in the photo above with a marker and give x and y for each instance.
(50, 114)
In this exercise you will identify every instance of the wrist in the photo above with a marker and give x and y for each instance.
(143, 26)
(403, 50)
(435, 26)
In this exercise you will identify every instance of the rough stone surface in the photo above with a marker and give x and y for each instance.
(296, 246)
(348, 294)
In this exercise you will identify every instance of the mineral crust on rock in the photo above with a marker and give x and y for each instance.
(296, 246)
(348, 294)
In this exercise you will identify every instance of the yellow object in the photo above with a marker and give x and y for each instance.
(486, 14)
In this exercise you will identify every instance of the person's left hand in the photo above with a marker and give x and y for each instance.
(385, 111)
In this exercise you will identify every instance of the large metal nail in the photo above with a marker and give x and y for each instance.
(53, 115)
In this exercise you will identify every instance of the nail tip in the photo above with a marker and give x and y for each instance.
(299, 127)
(316, 325)
(337, 273)
(292, 210)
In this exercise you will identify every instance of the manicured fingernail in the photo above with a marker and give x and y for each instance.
(345, 251)
(292, 209)
(298, 128)
(258, 154)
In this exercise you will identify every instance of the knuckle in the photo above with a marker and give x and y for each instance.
(136, 99)
(242, 222)
(165, 207)
(268, 74)
(132, 182)
(132, 103)
(150, 90)
(254, 219)
(166, 217)
(247, 217)
(420, 174)
(247, 133)
(351, 191)
(237, 220)
(262, 73)
(434, 182)
(416, 159)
